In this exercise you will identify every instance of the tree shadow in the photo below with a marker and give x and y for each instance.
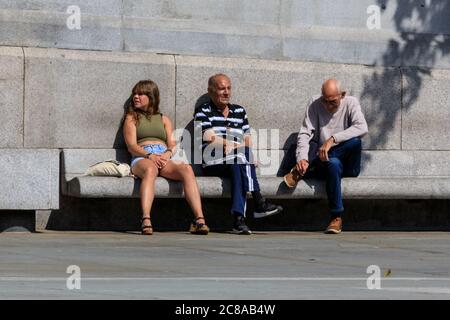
(423, 40)
(424, 32)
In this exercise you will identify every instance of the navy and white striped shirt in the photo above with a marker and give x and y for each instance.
(233, 128)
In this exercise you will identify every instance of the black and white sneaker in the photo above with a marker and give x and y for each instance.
(265, 209)
(239, 226)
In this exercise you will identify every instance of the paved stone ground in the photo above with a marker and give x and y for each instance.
(272, 265)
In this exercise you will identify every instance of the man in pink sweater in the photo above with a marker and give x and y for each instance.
(329, 145)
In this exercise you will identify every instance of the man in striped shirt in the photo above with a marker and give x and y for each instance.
(226, 150)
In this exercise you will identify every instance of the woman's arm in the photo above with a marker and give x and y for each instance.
(171, 142)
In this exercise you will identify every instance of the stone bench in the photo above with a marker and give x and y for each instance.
(384, 175)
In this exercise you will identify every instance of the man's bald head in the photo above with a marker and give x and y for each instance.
(213, 81)
(332, 94)
(219, 90)
(331, 87)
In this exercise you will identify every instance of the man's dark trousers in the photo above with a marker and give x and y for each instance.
(344, 161)
(243, 179)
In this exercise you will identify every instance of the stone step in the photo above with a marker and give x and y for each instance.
(326, 31)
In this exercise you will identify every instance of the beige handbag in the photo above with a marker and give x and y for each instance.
(109, 168)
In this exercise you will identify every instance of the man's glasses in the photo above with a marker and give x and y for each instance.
(334, 101)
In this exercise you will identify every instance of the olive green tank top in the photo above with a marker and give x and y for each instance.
(152, 129)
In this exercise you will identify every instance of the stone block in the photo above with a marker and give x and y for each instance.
(194, 43)
(396, 188)
(11, 63)
(337, 31)
(405, 164)
(256, 12)
(323, 31)
(77, 98)
(374, 163)
(232, 28)
(128, 187)
(379, 48)
(395, 16)
(362, 188)
(276, 93)
(76, 161)
(93, 7)
(272, 187)
(384, 175)
(426, 112)
(11, 97)
(44, 24)
(29, 179)
(41, 219)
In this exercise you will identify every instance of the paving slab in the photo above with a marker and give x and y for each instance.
(265, 265)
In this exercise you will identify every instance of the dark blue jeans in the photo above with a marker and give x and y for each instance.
(243, 179)
(344, 161)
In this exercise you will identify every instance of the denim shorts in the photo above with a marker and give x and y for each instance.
(151, 148)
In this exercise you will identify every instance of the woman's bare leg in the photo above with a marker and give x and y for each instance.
(147, 171)
(179, 171)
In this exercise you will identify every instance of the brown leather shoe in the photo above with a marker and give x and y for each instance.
(292, 178)
(335, 226)
(198, 228)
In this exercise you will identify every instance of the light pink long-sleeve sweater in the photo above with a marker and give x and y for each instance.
(319, 125)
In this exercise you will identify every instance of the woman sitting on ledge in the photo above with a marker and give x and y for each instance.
(149, 139)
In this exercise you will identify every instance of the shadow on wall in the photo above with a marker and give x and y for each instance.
(417, 49)
(289, 158)
(423, 29)
(119, 140)
(188, 142)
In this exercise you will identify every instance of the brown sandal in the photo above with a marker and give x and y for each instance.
(199, 228)
(146, 230)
